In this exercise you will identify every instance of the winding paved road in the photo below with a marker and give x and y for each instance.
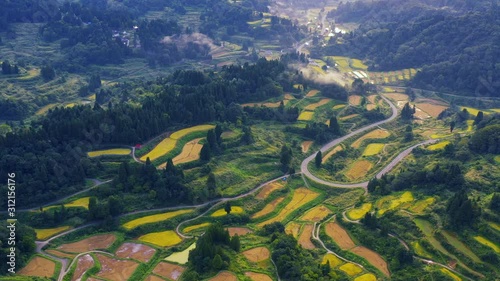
(304, 166)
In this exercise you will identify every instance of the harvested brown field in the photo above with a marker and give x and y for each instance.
(265, 104)
(269, 188)
(420, 114)
(397, 96)
(372, 257)
(224, 276)
(316, 214)
(60, 254)
(375, 134)
(339, 235)
(102, 241)
(238, 230)
(372, 98)
(190, 152)
(370, 106)
(332, 152)
(40, 267)
(258, 276)
(135, 251)
(354, 99)
(306, 145)
(257, 254)
(305, 237)
(348, 117)
(288, 97)
(114, 269)
(293, 228)
(83, 264)
(169, 270)
(313, 106)
(359, 169)
(432, 109)
(312, 93)
(268, 208)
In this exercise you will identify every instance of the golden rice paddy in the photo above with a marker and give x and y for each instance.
(306, 116)
(300, 197)
(195, 227)
(268, 208)
(439, 145)
(359, 213)
(222, 212)
(487, 243)
(391, 202)
(313, 106)
(366, 277)
(114, 151)
(316, 214)
(351, 269)
(43, 234)
(332, 259)
(155, 218)
(168, 144)
(332, 152)
(163, 239)
(373, 149)
(359, 169)
(375, 134)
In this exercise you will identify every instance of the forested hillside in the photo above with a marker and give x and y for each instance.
(455, 43)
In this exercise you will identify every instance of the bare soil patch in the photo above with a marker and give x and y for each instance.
(268, 189)
(102, 241)
(114, 269)
(268, 208)
(372, 257)
(339, 235)
(306, 145)
(258, 276)
(238, 230)
(257, 254)
(135, 251)
(83, 264)
(225, 276)
(39, 267)
(168, 270)
(305, 237)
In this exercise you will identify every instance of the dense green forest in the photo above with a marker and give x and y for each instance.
(455, 43)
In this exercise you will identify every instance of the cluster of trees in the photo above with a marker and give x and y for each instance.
(445, 174)
(50, 155)
(320, 132)
(211, 252)
(294, 262)
(462, 211)
(455, 47)
(26, 11)
(13, 110)
(8, 68)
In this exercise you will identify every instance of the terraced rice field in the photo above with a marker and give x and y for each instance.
(102, 241)
(268, 208)
(355, 100)
(254, 276)
(224, 276)
(168, 270)
(182, 256)
(375, 134)
(420, 206)
(331, 153)
(397, 96)
(359, 169)
(359, 213)
(495, 226)
(313, 106)
(83, 264)
(338, 106)
(372, 99)
(81, 202)
(316, 214)
(168, 144)
(305, 237)
(39, 267)
(373, 149)
(155, 218)
(135, 251)
(270, 188)
(347, 117)
(257, 254)
(300, 197)
(238, 230)
(190, 152)
(195, 227)
(306, 145)
(332, 259)
(114, 151)
(339, 235)
(351, 269)
(222, 212)
(419, 250)
(355, 63)
(163, 239)
(487, 243)
(370, 106)
(439, 145)
(60, 254)
(366, 277)
(306, 116)
(373, 258)
(471, 110)
(43, 234)
(391, 202)
(432, 109)
(293, 228)
(450, 274)
(312, 93)
(457, 244)
(114, 269)
(46, 109)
